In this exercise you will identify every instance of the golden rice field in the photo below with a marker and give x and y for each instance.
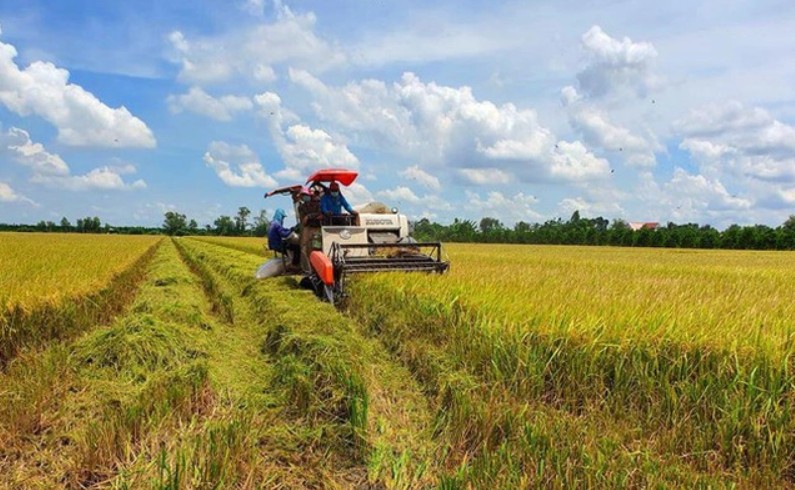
(42, 267)
(53, 285)
(691, 349)
(524, 367)
(737, 300)
(254, 245)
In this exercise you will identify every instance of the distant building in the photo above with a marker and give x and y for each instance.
(643, 225)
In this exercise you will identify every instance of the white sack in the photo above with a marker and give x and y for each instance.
(272, 268)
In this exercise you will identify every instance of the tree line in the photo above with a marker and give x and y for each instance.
(576, 231)
(174, 223)
(178, 224)
(601, 231)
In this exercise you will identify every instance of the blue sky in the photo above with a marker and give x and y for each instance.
(681, 111)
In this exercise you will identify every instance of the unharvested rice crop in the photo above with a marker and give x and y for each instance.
(44, 268)
(690, 348)
(733, 300)
(253, 245)
(56, 285)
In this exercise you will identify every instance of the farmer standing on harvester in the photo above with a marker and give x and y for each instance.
(331, 205)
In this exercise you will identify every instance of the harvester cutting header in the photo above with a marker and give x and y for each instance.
(329, 245)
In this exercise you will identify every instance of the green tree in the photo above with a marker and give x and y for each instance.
(89, 225)
(241, 219)
(619, 233)
(710, 237)
(730, 238)
(175, 223)
(789, 225)
(462, 231)
(644, 237)
(490, 225)
(224, 226)
(261, 223)
(787, 239)
(521, 227)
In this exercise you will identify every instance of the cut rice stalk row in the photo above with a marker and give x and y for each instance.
(374, 414)
(75, 413)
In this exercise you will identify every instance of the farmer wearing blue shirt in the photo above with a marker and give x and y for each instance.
(278, 236)
(332, 202)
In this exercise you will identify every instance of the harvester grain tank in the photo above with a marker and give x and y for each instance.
(377, 239)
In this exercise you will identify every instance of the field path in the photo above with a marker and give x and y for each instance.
(396, 448)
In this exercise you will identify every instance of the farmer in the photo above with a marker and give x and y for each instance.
(331, 203)
(280, 239)
(309, 208)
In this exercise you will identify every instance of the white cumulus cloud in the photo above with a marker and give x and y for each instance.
(302, 147)
(416, 206)
(400, 194)
(703, 150)
(746, 142)
(102, 178)
(422, 177)
(506, 208)
(697, 193)
(357, 194)
(8, 194)
(305, 148)
(254, 7)
(42, 89)
(253, 52)
(237, 166)
(50, 170)
(447, 127)
(787, 195)
(17, 142)
(729, 117)
(598, 130)
(589, 207)
(615, 65)
(200, 102)
(486, 176)
(571, 161)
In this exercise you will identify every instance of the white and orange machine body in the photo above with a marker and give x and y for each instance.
(349, 244)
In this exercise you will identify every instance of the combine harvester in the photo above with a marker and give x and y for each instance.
(376, 239)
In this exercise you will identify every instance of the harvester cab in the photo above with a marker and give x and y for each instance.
(375, 239)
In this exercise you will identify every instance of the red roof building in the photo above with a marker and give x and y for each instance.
(643, 225)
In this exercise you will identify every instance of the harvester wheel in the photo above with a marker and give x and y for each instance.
(306, 283)
(316, 285)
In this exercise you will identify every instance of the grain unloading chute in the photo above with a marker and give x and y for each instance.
(375, 239)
